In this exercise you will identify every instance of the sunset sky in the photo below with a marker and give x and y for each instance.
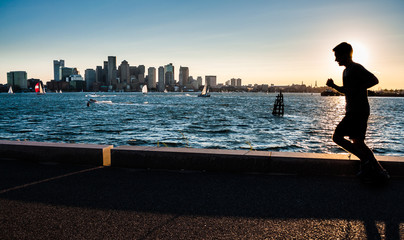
(259, 41)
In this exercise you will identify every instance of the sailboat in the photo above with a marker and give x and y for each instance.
(39, 89)
(144, 89)
(205, 92)
(10, 90)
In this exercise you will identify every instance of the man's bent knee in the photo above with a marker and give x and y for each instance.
(337, 138)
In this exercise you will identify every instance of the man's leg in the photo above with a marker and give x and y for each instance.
(346, 145)
(365, 153)
(371, 170)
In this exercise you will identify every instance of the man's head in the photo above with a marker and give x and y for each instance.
(343, 53)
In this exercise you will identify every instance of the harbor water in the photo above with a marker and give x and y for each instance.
(224, 121)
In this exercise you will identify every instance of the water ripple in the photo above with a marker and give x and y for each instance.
(224, 121)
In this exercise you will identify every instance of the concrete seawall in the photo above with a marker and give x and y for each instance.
(245, 161)
(56, 152)
(192, 159)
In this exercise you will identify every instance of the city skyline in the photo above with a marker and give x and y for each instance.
(263, 42)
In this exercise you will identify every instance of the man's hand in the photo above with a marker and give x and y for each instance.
(330, 83)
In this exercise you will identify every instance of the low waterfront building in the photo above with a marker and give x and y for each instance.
(32, 82)
(58, 85)
(77, 83)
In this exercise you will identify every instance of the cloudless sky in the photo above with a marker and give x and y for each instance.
(259, 41)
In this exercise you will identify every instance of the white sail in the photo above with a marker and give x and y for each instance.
(144, 89)
(40, 89)
(204, 91)
(10, 90)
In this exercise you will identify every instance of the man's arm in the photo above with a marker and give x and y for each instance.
(331, 83)
(371, 80)
(368, 79)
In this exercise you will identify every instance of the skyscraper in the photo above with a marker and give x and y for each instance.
(161, 84)
(134, 74)
(105, 74)
(125, 73)
(142, 69)
(169, 74)
(233, 82)
(210, 81)
(183, 76)
(112, 71)
(199, 80)
(89, 76)
(98, 74)
(17, 79)
(151, 75)
(141, 75)
(57, 69)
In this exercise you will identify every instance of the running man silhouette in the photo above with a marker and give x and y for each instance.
(356, 80)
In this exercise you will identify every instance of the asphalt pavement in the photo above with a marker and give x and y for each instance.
(61, 201)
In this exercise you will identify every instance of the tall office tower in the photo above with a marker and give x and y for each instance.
(125, 73)
(89, 77)
(142, 73)
(98, 74)
(134, 74)
(57, 69)
(151, 75)
(140, 77)
(238, 82)
(17, 79)
(183, 77)
(142, 69)
(169, 74)
(161, 84)
(210, 81)
(199, 80)
(105, 73)
(233, 82)
(112, 71)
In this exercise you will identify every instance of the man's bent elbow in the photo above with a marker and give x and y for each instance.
(374, 82)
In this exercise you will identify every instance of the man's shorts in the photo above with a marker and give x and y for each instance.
(353, 125)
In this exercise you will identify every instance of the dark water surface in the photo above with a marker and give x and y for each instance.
(225, 121)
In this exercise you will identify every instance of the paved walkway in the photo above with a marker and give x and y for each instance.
(56, 201)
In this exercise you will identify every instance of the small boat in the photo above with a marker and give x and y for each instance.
(165, 90)
(91, 101)
(10, 90)
(144, 89)
(205, 92)
(39, 89)
(329, 92)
